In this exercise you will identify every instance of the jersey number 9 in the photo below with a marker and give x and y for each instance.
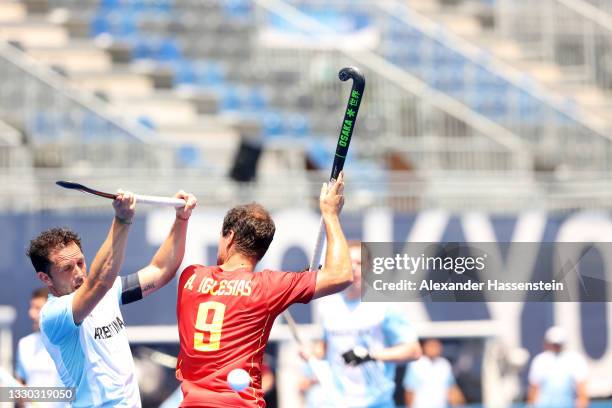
(213, 328)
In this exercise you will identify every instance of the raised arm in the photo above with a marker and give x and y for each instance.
(337, 273)
(107, 262)
(169, 256)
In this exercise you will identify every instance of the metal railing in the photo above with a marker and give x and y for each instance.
(399, 107)
(493, 192)
(50, 108)
(552, 128)
(575, 34)
(602, 5)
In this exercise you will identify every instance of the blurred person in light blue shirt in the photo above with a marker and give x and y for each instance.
(363, 341)
(429, 381)
(557, 377)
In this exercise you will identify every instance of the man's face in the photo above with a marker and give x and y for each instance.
(34, 312)
(432, 348)
(68, 269)
(555, 348)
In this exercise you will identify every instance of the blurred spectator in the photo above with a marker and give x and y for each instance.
(429, 381)
(35, 368)
(557, 378)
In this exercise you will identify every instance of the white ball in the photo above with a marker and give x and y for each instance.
(238, 379)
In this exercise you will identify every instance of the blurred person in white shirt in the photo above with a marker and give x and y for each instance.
(429, 381)
(557, 377)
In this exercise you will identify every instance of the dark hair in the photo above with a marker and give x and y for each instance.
(253, 229)
(41, 293)
(47, 241)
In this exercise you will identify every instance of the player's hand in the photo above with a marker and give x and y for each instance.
(356, 356)
(125, 206)
(190, 203)
(331, 199)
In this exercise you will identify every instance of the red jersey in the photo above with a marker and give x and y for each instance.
(224, 320)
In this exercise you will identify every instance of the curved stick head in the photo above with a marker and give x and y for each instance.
(352, 73)
(69, 184)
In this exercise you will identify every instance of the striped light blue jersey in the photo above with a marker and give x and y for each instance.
(374, 326)
(94, 356)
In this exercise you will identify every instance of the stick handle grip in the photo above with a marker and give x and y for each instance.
(318, 249)
(165, 201)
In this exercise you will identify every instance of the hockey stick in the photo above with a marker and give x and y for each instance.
(321, 369)
(344, 140)
(145, 199)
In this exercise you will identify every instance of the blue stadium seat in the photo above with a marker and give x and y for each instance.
(168, 51)
(147, 122)
(297, 125)
(412, 57)
(440, 54)
(498, 109)
(42, 127)
(143, 48)
(110, 5)
(161, 6)
(230, 98)
(320, 153)
(125, 26)
(528, 107)
(188, 156)
(209, 74)
(272, 125)
(99, 24)
(395, 59)
(362, 20)
(237, 9)
(449, 81)
(135, 6)
(184, 73)
(256, 99)
(92, 127)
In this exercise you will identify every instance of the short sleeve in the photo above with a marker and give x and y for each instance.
(286, 288)
(56, 320)
(410, 376)
(448, 372)
(536, 370)
(118, 289)
(19, 369)
(397, 329)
